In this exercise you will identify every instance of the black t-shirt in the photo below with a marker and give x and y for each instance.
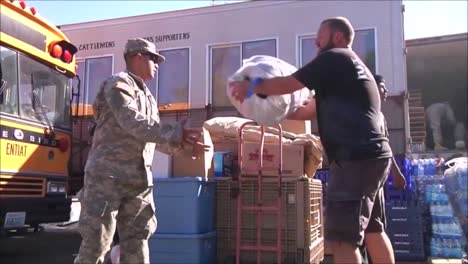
(351, 124)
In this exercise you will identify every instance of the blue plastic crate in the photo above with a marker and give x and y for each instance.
(185, 205)
(404, 219)
(183, 249)
(405, 195)
(403, 212)
(407, 241)
(322, 175)
(410, 254)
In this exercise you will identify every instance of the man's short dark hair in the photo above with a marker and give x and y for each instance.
(379, 78)
(341, 24)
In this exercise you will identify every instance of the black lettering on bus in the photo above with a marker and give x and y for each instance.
(16, 150)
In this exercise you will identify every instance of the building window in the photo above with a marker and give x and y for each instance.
(93, 72)
(260, 47)
(363, 45)
(225, 60)
(97, 71)
(308, 50)
(173, 80)
(80, 65)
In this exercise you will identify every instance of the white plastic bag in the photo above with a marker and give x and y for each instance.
(272, 109)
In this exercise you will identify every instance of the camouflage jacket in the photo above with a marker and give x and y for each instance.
(127, 131)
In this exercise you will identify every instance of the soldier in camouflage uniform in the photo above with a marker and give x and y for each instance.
(117, 191)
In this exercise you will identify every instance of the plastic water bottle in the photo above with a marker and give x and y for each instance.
(414, 167)
(434, 166)
(449, 228)
(428, 193)
(448, 210)
(432, 209)
(462, 175)
(456, 228)
(433, 247)
(445, 248)
(457, 251)
(436, 192)
(420, 167)
(429, 167)
(425, 163)
(443, 210)
(439, 248)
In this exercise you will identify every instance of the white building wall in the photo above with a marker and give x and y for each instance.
(284, 21)
(250, 21)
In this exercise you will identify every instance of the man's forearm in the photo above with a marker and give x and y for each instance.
(278, 86)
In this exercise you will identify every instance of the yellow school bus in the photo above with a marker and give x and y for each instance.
(37, 70)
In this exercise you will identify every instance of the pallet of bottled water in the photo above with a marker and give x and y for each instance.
(439, 195)
(447, 239)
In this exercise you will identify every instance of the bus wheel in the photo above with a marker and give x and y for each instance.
(38, 228)
(22, 231)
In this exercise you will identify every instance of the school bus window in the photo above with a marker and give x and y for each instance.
(173, 92)
(9, 76)
(43, 93)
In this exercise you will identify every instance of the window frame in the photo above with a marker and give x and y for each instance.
(162, 108)
(85, 80)
(209, 64)
(17, 79)
(59, 105)
(301, 36)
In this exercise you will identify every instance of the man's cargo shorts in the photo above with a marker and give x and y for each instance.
(355, 201)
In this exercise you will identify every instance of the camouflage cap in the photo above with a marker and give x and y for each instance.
(139, 45)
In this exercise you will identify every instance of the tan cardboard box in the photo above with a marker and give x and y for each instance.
(296, 126)
(230, 146)
(184, 166)
(293, 159)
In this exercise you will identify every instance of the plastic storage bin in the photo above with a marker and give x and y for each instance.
(183, 249)
(185, 205)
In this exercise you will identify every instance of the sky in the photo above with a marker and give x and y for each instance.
(422, 18)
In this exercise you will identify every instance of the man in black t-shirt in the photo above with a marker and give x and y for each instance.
(352, 131)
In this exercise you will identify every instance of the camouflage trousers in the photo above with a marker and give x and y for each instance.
(106, 206)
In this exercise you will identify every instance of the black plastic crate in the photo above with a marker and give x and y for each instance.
(406, 231)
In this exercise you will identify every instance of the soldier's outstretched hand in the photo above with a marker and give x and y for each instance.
(192, 137)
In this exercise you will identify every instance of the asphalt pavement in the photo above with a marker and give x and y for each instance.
(56, 244)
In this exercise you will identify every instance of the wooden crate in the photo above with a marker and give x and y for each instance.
(302, 233)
